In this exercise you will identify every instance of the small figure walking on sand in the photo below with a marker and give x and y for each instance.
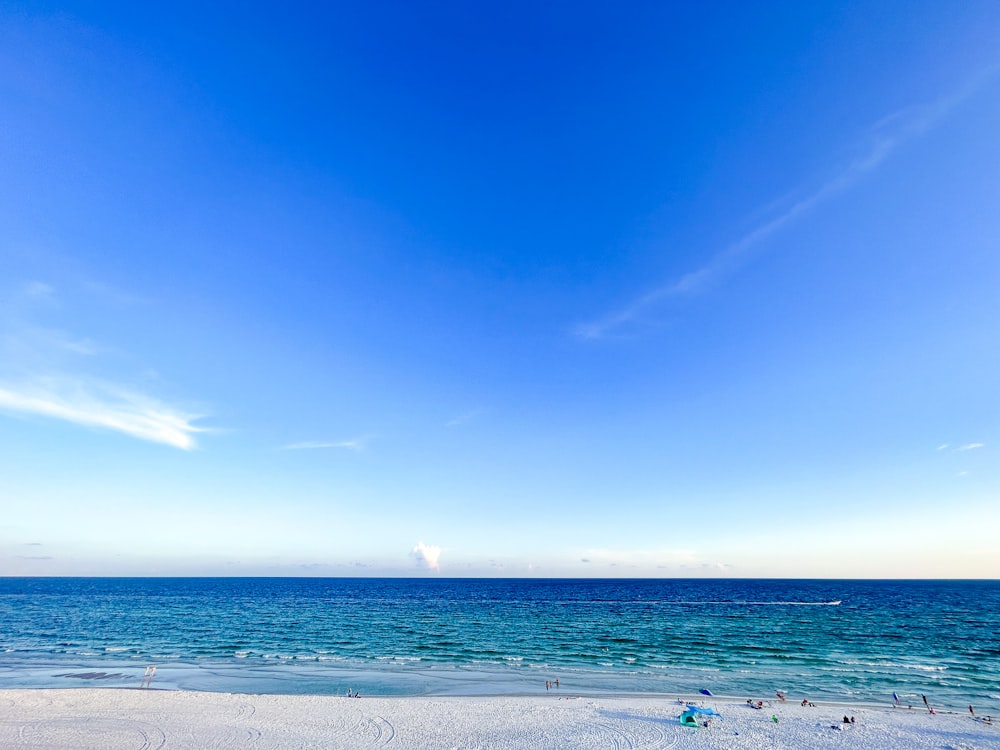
(147, 676)
(547, 685)
(972, 711)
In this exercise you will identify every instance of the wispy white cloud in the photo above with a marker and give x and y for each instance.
(463, 418)
(427, 555)
(104, 406)
(884, 137)
(970, 446)
(50, 342)
(357, 444)
(942, 447)
(43, 372)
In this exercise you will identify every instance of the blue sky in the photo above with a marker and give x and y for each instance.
(515, 289)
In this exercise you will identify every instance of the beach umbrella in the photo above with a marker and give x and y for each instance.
(705, 691)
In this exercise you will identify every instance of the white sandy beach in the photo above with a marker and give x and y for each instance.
(114, 719)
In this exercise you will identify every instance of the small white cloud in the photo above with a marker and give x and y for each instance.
(428, 555)
(357, 444)
(103, 405)
(970, 446)
(942, 446)
(463, 418)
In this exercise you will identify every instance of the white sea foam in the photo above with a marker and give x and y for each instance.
(898, 665)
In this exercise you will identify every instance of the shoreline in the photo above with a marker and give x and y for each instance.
(430, 683)
(106, 718)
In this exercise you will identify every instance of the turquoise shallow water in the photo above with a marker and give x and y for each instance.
(466, 637)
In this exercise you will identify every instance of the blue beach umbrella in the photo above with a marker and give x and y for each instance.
(706, 691)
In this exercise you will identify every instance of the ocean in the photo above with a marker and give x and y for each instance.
(821, 640)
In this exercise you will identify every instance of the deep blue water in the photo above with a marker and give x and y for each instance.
(486, 636)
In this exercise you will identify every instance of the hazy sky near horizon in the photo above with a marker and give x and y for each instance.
(512, 289)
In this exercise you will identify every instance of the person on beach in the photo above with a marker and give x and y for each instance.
(781, 696)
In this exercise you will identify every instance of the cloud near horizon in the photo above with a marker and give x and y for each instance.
(648, 558)
(103, 406)
(428, 555)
